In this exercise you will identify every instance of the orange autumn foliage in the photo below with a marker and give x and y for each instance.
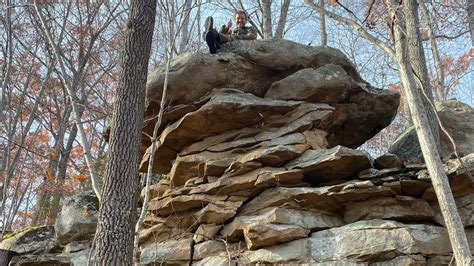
(80, 178)
(49, 175)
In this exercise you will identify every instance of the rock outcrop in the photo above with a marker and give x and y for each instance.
(458, 120)
(265, 90)
(390, 217)
(76, 223)
(265, 171)
(258, 152)
(30, 240)
(66, 243)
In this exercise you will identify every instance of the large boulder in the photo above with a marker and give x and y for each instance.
(34, 240)
(458, 120)
(249, 66)
(192, 76)
(258, 86)
(42, 260)
(77, 220)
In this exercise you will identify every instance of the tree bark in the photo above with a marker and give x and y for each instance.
(418, 63)
(439, 179)
(470, 12)
(322, 25)
(117, 215)
(9, 57)
(440, 80)
(185, 28)
(267, 18)
(54, 205)
(280, 30)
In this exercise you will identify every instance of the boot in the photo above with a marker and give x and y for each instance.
(211, 41)
(208, 24)
(210, 35)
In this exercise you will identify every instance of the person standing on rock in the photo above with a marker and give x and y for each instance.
(215, 39)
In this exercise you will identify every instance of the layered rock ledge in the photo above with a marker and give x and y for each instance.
(264, 90)
(260, 166)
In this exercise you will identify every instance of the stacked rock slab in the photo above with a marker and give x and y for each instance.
(379, 217)
(260, 168)
(296, 87)
(264, 170)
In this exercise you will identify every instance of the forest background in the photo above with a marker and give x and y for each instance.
(59, 68)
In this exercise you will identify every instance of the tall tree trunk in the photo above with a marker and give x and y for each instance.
(440, 81)
(266, 7)
(280, 30)
(470, 12)
(439, 179)
(117, 215)
(185, 28)
(418, 63)
(9, 59)
(42, 211)
(322, 25)
(54, 207)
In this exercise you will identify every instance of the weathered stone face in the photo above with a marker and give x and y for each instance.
(262, 62)
(324, 165)
(458, 120)
(32, 241)
(398, 208)
(77, 220)
(277, 225)
(179, 250)
(47, 259)
(378, 240)
(362, 242)
(240, 91)
(327, 84)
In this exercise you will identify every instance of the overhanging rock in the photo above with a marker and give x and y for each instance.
(263, 86)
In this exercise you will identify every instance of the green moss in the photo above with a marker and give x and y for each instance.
(25, 229)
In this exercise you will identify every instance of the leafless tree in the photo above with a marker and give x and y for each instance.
(470, 12)
(428, 146)
(117, 215)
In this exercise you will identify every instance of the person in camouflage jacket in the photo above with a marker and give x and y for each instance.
(226, 34)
